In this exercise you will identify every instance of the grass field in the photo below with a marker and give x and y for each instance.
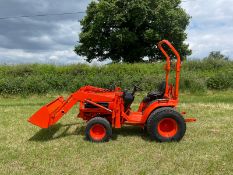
(207, 147)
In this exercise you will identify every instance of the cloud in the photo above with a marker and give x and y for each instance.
(51, 39)
(40, 39)
(211, 26)
(15, 56)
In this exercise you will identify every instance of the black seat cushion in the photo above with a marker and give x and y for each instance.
(154, 95)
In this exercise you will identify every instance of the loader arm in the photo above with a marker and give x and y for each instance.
(49, 114)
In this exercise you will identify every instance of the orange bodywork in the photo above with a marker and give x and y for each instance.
(110, 103)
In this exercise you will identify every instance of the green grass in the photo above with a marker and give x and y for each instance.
(205, 149)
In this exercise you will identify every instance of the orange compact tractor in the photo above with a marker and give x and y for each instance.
(104, 109)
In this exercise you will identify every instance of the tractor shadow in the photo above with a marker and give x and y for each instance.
(58, 131)
(130, 131)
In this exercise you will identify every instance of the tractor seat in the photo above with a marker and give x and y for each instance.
(154, 95)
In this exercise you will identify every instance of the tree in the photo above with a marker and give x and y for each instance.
(128, 30)
(216, 55)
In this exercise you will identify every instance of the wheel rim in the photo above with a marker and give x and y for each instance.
(167, 127)
(97, 132)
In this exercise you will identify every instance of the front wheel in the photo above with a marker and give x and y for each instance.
(166, 125)
(98, 129)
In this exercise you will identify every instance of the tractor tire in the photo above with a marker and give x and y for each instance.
(166, 125)
(98, 129)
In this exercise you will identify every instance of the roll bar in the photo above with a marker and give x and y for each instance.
(168, 67)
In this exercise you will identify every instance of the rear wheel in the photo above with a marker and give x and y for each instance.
(98, 130)
(165, 125)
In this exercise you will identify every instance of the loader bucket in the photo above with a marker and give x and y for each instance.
(45, 115)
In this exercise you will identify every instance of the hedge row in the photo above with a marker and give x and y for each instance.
(196, 76)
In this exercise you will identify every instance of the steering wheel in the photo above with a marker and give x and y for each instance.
(136, 88)
(112, 87)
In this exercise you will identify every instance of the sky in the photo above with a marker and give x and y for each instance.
(51, 39)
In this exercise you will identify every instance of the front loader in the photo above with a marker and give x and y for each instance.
(104, 109)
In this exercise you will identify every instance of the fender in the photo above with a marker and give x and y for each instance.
(157, 104)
